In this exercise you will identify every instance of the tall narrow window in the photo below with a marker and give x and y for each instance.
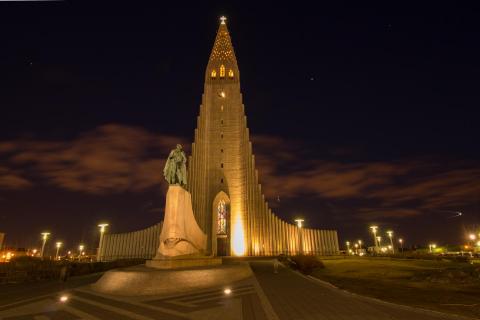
(221, 150)
(222, 218)
(230, 73)
(221, 165)
(214, 73)
(222, 71)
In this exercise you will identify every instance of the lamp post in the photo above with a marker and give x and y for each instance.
(360, 244)
(432, 246)
(472, 238)
(356, 248)
(102, 227)
(374, 231)
(379, 240)
(44, 238)
(58, 245)
(390, 235)
(401, 244)
(348, 247)
(80, 250)
(300, 235)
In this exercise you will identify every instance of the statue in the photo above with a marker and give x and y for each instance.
(175, 171)
(180, 235)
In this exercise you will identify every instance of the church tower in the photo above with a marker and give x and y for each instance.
(227, 199)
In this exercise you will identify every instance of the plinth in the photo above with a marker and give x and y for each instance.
(178, 262)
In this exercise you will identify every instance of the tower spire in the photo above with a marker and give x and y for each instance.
(222, 63)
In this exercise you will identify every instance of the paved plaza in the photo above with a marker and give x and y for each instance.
(285, 295)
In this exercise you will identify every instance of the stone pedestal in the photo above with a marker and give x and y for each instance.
(181, 235)
(182, 242)
(179, 263)
(140, 280)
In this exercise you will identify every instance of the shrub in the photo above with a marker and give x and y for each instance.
(306, 264)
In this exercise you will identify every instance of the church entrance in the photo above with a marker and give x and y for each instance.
(221, 225)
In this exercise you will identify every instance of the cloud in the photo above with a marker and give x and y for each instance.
(109, 159)
(12, 180)
(115, 158)
(394, 189)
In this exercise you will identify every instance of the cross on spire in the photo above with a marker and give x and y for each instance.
(223, 19)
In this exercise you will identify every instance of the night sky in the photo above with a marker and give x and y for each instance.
(358, 115)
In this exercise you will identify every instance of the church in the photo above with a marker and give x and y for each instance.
(227, 198)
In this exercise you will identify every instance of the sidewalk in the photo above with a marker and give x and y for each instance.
(293, 296)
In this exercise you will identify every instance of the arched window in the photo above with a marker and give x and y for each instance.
(230, 73)
(222, 71)
(222, 218)
(214, 73)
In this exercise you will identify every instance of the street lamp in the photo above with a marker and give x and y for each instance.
(348, 247)
(472, 238)
(58, 245)
(401, 243)
(44, 238)
(379, 240)
(374, 231)
(432, 246)
(390, 235)
(80, 250)
(360, 243)
(102, 227)
(300, 235)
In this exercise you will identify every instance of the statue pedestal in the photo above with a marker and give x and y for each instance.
(179, 263)
(180, 234)
(182, 242)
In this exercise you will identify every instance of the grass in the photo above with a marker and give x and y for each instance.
(444, 286)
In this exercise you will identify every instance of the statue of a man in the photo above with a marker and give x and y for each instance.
(175, 171)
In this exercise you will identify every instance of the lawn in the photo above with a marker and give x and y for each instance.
(445, 286)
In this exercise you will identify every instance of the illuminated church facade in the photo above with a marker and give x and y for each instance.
(227, 198)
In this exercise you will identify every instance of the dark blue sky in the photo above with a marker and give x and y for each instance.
(358, 114)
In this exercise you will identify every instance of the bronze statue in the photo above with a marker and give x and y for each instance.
(175, 171)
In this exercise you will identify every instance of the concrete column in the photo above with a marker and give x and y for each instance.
(310, 242)
(331, 241)
(317, 242)
(335, 242)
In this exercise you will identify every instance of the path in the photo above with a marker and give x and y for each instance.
(294, 296)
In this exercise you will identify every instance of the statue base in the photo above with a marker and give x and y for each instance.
(141, 280)
(179, 263)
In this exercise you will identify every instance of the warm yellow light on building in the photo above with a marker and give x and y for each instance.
(222, 71)
(214, 73)
(238, 237)
(230, 73)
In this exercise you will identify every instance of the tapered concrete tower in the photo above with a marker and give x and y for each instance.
(227, 197)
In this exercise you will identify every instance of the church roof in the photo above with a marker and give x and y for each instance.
(222, 48)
